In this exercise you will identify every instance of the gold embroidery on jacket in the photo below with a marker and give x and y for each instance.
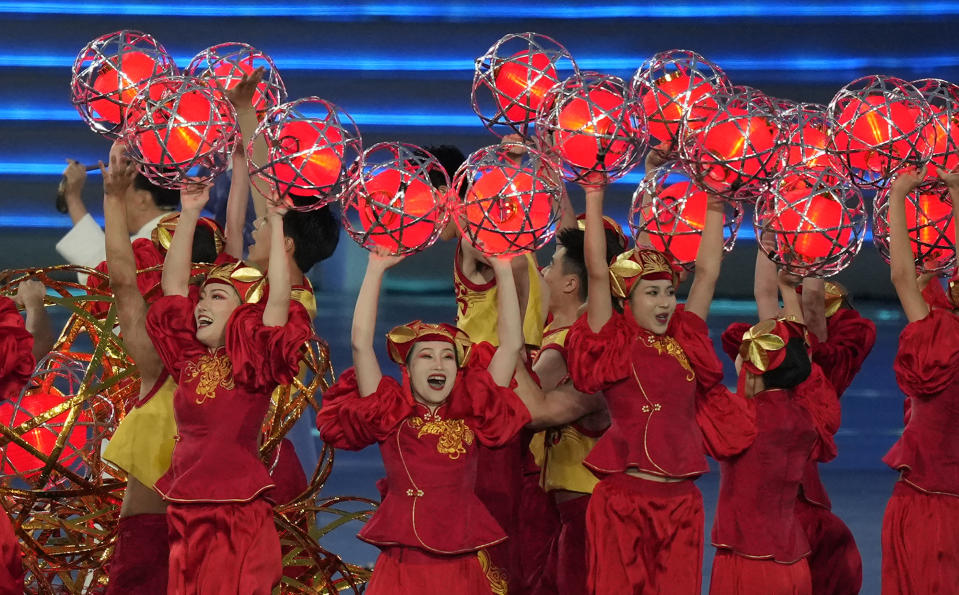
(214, 371)
(452, 434)
(496, 576)
(669, 345)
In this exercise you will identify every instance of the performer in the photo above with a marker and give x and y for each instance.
(559, 450)
(761, 544)
(659, 372)
(227, 353)
(452, 398)
(920, 531)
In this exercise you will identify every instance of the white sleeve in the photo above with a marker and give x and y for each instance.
(84, 244)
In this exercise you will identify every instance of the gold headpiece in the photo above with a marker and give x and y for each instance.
(633, 265)
(835, 294)
(763, 345)
(162, 234)
(400, 340)
(247, 281)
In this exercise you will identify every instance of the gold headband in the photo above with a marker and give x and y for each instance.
(246, 280)
(400, 339)
(626, 270)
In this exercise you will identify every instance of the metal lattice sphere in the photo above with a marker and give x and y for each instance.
(669, 212)
(226, 63)
(883, 123)
(392, 202)
(310, 143)
(511, 202)
(512, 78)
(943, 99)
(668, 83)
(592, 126)
(732, 144)
(929, 221)
(176, 125)
(811, 221)
(808, 136)
(109, 71)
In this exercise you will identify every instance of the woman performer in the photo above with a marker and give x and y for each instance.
(453, 397)
(659, 372)
(920, 529)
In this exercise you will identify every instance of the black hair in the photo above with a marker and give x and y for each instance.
(315, 235)
(164, 198)
(574, 261)
(451, 158)
(204, 246)
(795, 368)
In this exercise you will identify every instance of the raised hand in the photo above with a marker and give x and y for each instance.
(241, 96)
(194, 196)
(951, 179)
(119, 177)
(381, 259)
(657, 156)
(75, 176)
(905, 181)
(30, 294)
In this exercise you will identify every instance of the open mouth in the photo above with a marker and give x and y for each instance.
(662, 318)
(436, 381)
(203, 321)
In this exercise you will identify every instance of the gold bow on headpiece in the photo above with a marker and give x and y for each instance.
(247, 281)
(763, 345)
(162, 234)
(633, 265)
(835, 294)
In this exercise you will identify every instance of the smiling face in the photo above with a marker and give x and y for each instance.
(653, 304)
(432, 369)
(217, 302)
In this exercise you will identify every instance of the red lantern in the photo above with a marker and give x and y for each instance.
(811, 226)
(679, 234)
(521, 83)
(227, 63)
(118, 84)
(585, 126)
(929, 223)
(314, 156)
(506, 209)
(419, 202)
(192, 134)
(16, 460)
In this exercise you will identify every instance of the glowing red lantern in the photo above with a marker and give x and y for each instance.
(669, 213)
(227, 63)
(511, 204)
(392, 203)
(18, 461)
(512, 79)
(943, 135)
(670, 82)
(177, 124)
(930, 224)
(811, 222)
(808, 137)
(109, 71)
(882, 124)
(308, 142)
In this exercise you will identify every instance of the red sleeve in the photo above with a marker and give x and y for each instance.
(496, 413)
(11, 568)
(692, 334)
(145, 256)
(349, 421)
(817, 395)
(727, 421)
(287, 474)
(16, 351)
(598, 360)
(928, 357)
(264, 357)
(732, 338)
(935, 296)
(172, 330)
(850, 340)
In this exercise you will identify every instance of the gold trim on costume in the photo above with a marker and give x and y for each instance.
(453, 433)
(214, 370)
(669, 345)
(498, 581)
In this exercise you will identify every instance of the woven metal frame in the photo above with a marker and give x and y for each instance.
(808, 136)
(732, 144)
(499, 111)
(929, 222)
(592, 111)
(883, 124)
(661, 212)
(943, 99)
(107, 54)
(159, 132)
(335, 141)
(226, 63)
(507, 183)
(667, 84)
(798, 193)
(375, 209)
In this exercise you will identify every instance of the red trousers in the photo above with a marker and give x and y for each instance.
(645, 537)
(412, 571)
(140, 561)
(223, 549)
(834, 563)
(538, 528)
(11, 568)
(737, 575)
(570, 548)
(920, 543)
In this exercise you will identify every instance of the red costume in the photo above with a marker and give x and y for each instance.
(920, 531)
(668, 408)
(221, 529)
(430, 524)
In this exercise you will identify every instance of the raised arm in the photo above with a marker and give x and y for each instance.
(561, 405)
(709, 259)
(599, 303)
(814, 306)
(365, 364)
(122, 267)
(246, 118)
(277, 309)
(509, 324)
(30, 295)
(765, 286)
(902, 263)
(787, 288)
(241, 96)
(176, 266)
(952, 183)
